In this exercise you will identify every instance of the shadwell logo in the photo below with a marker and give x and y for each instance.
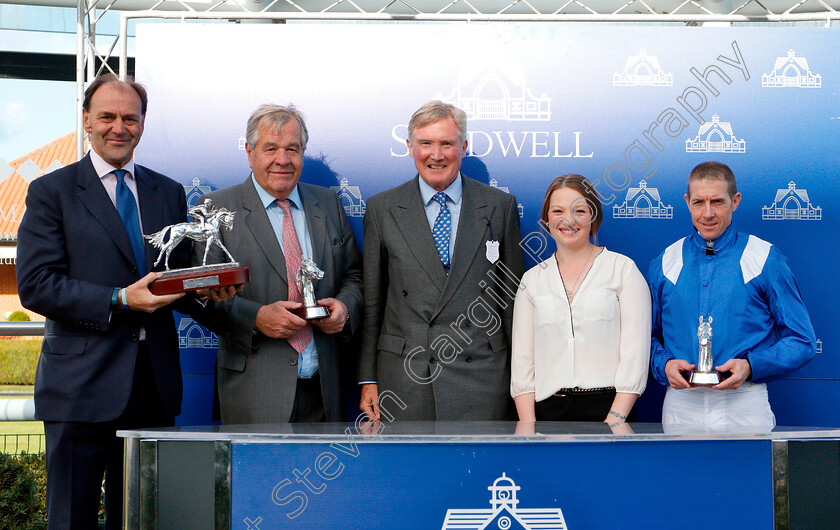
(791, 72)
(791, 204)
(503, 512)
(643, 70)
(351, 198)
(643, 203)
(715, 137)
(499, 94)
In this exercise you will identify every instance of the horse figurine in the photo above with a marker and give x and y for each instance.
(207, 227)
(704, 336)
(305, 274)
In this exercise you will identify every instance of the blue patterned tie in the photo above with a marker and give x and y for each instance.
(127, 207)
(443, 225)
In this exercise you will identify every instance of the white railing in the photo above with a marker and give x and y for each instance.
(19, 409)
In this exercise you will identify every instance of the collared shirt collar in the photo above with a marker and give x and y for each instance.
(724, 241)
(267, 199)
(454, 191)
(103, 168)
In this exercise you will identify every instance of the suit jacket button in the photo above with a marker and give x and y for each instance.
(467, 324)
(135, 338)
(468, 359)
(293, 362)
(432, 360)
(405, 293)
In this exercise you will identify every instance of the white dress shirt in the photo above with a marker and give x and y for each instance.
(600, 339)
(105, 172)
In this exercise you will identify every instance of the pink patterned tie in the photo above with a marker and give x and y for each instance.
(291, 247)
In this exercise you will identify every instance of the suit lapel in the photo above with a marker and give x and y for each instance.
(470, 239)
(316, 224)
(256, 219)
(151, 208)
(92, 195)
(410, 217)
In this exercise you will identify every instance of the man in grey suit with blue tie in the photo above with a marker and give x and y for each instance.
(442, 263)
(273, 366)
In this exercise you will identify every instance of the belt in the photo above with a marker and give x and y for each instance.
(576, 390)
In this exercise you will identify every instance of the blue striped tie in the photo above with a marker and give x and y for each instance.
(127, 207)
(443, 225)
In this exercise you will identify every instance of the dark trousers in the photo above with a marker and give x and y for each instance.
(578, 406)
(79, 453)
(309, 402)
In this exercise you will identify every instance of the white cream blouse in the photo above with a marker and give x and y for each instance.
(600, 339)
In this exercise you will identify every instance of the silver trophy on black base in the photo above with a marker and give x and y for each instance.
(705, 374)
(311, 309)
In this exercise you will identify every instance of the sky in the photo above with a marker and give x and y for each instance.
(34, 113)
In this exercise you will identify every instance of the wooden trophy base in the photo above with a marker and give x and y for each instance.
(185, 280)
(314, 312)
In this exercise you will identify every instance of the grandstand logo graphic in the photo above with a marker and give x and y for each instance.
(715, 137)
(791, 204)
(495, 184)
(504, 513)
(642, 203)
(642, 70)
(497, 93)
(195, 191)
(192, 335)
(791, 72)
(351, 198)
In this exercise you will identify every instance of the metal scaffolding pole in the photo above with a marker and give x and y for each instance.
(691, 12)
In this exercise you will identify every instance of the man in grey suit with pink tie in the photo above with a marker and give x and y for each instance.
(273, 366)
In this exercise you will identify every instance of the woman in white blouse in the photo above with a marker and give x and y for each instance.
(581, 321)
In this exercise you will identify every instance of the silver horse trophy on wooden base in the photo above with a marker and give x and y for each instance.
(705, 374)
(207, 225)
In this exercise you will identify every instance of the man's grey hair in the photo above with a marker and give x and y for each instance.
(274, 117)
(438, 110)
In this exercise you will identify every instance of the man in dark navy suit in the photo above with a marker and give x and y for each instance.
(110, 353)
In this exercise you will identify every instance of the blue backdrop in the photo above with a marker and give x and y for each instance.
(567, 485)
(632, 108)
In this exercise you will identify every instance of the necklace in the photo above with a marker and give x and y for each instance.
(570, 293)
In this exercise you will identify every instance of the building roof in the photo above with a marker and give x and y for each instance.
(791, 58)
(16, 175)
(715, 123)
(652, 192)
(801, 193)
(352, 190)
(643, 57)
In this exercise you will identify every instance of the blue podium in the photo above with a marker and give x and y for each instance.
(475, 475)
